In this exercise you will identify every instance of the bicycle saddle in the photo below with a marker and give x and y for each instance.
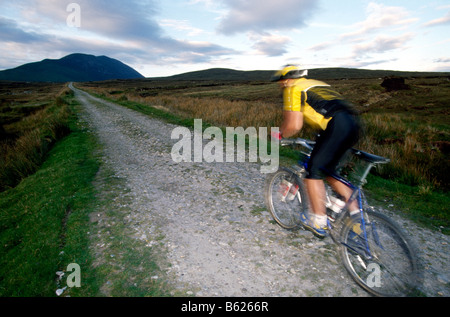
(371, 158)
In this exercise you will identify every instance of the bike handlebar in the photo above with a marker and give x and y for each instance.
(303, 142)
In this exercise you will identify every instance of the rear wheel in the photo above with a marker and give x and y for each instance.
(391, 268)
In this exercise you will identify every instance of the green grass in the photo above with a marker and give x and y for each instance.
(43, 220)
(46, 224)
(421, 204)
(36, 134)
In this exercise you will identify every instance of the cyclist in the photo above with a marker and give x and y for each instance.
(317, 104)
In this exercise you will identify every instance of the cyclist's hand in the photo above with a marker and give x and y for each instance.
(276, 135)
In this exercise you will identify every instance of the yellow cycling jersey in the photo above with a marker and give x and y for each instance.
(315, 99)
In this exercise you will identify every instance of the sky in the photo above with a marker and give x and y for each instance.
(167, 37)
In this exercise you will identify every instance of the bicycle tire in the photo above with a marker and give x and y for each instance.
(285, 213)
(393, 270)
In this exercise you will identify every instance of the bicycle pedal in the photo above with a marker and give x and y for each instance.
(332, 216)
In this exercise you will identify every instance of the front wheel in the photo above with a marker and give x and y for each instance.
(285, 204)
(381, 260)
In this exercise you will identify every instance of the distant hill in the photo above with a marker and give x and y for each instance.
(74, 67)
(223, 74)
(318, 73)
(82, 68)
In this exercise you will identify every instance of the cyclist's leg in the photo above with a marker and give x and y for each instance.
(344, 191)
(316, 221)
(347, 134)
(340, 135)
(316, 193)
(315, 188)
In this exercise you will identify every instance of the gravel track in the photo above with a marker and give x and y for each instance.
(219, 239)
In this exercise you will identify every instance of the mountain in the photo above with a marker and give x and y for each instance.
(223, 74)
(74, 67)
(318, 73)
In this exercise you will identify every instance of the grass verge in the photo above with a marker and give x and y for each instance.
(47, 223)
(43, 219)
(37, 133)
(126, 265)
(429, 208)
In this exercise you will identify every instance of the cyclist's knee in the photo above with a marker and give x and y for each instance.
(314, 173)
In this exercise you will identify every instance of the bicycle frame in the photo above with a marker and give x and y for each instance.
(356, 194)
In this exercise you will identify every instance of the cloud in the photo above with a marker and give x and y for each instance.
(260, 16)
(352, 63)
(441, 64)
(379, 17)
(375, 51)
(182, 25)
(11, 32)
(320, 46)
(127, 30)
(442, 60)
(111, 18)
(382, 44)
(270, 45)
(380, 32)
(440, 21)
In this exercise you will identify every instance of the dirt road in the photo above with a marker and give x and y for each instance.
(211, 218)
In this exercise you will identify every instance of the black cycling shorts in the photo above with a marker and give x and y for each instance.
(341, 134)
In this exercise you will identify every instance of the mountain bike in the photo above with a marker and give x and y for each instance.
(375, 251)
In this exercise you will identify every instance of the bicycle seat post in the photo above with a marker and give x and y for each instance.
(362, 180)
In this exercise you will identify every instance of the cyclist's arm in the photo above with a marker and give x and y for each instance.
(292, 115)
(292, 123)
